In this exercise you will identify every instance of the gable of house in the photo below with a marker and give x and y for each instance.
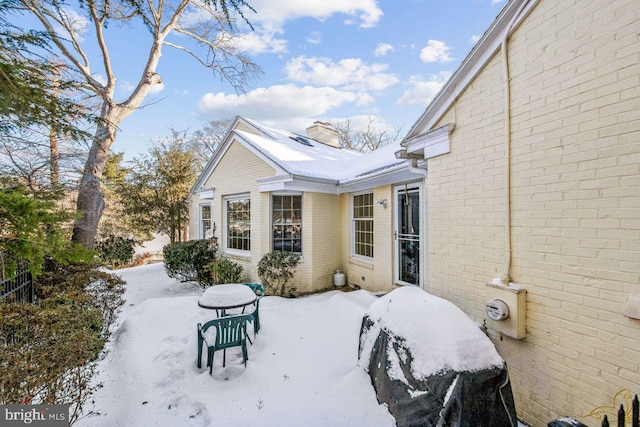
(259, 167)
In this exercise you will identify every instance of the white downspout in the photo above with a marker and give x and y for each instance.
(505, 278)
(413, 167)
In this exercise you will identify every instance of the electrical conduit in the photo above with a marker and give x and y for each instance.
(505, 278)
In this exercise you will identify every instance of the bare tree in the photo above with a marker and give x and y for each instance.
(206, 141)
(367, 139)
(210, 25)
(42, 158)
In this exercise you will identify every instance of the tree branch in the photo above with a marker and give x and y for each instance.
(43, 15)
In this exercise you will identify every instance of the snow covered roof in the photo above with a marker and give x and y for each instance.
(300, 155)
(304, 164)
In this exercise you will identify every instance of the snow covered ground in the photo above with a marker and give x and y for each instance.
(302, 368)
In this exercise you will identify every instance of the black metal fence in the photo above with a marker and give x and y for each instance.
(623, 416)
(19, 287)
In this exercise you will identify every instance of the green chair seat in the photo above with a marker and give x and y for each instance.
(220, 334)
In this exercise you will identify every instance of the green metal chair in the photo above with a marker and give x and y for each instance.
(230, 331)
(258, 289)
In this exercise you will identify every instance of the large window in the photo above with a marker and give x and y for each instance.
(238, 215)
(363, 225)
(287, 223)
(205, 221)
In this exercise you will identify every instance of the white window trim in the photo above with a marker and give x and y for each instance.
(225, 248)
(287, 193)
(199, 227)
(352, 232)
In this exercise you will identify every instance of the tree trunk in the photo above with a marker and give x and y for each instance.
(53, 134)
(53, 150)
(90, 202)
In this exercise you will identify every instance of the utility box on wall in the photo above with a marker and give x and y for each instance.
(506, 310)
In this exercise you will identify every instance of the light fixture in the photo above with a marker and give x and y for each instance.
(382, 202)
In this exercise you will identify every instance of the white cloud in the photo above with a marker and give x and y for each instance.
(100, 78)
(365, 122)
(422, 91)
(435, 51)
(126, 87)
(314, 38)
(263, 40)
(279, 103)
(280, 11)
(383, 49)
(75, 21)
(496, 2)
(156, 89)
(349, 73)
(271, 15)
(474, 39)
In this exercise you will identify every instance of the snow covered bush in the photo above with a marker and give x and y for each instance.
(275, 269)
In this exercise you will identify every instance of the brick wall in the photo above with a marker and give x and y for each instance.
(575, 187)
(322, 247)
(236, 173)
(377, 274)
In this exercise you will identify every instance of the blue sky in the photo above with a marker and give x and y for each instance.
(325, 60)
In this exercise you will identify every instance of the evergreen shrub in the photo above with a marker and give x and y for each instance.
(223, 270)
(188, 261)
(48, 349)
(275, 269)
(115, 251)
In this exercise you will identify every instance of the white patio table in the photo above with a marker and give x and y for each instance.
(227, 296)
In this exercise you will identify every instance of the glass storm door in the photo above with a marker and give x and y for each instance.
(407, 234)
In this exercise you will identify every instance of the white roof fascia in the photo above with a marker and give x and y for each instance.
(280, 170)
(233, 136)
(471, 66)
(205, 193)
(297, 183)
(389, 177)
(224, 146)
(431, 144)
(208, 168)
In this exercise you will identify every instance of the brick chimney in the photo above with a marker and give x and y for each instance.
(323, 132)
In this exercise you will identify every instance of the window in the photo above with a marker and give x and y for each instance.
(287, 223)
(238, 215)
(363, 224)
(205, 221)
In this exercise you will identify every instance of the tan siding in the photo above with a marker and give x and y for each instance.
(575, 79)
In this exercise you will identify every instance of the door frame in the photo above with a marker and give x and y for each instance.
(397, 189)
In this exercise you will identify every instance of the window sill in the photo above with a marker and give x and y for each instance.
(241, 255)
(362, 262)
